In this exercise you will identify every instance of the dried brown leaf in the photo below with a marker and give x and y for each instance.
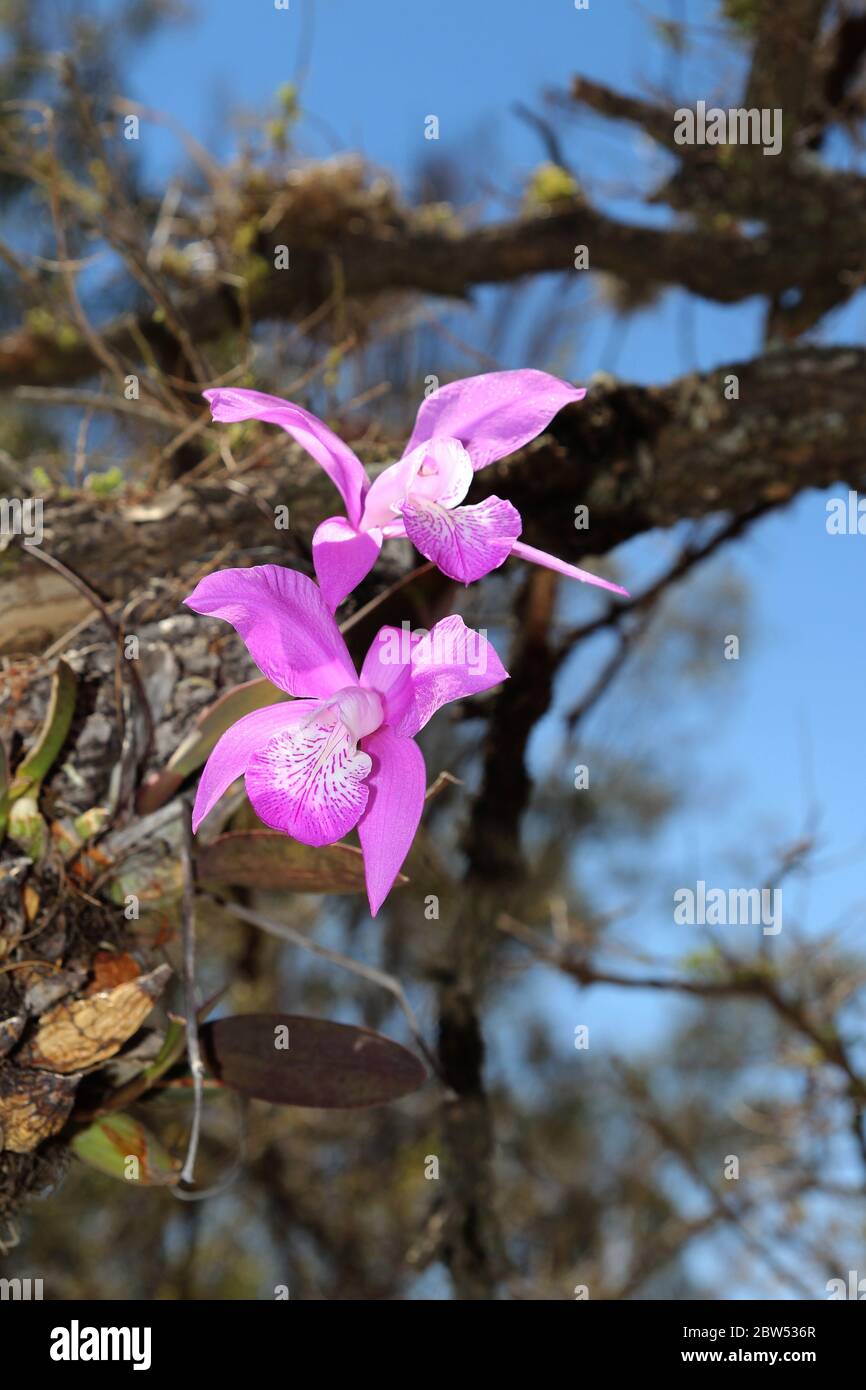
(78, 1035)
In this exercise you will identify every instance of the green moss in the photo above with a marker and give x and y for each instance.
(67, 336)
(105, 484)
(550, 183)
(244, 238)
(703, 962)
(41, 321)
(42, 482)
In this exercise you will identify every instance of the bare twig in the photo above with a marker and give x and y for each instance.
(196, 1065)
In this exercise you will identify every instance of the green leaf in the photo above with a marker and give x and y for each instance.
(91, 822)
(173, 1045)
(268, 859)
(121, 1147)
(61, 707)
(27, 828)
(289, 1060)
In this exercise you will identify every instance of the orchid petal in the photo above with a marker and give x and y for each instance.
(309, 780)
(541, 557)
(417, 674)
(466, 543)
(493, 414)
(397, 785)
(342, 557)
(231, 754)
(387, 669)
(342, 466)
(288, 629)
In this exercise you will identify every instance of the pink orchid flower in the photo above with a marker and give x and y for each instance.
(344, 754)
(459, 429)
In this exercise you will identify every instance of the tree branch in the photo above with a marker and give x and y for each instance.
(444, 263)
(638, 457)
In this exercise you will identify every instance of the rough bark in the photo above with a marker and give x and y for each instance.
(638, 457)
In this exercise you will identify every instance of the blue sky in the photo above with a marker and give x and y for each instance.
(781, 732)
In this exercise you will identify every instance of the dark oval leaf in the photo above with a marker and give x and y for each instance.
(290, 1060)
